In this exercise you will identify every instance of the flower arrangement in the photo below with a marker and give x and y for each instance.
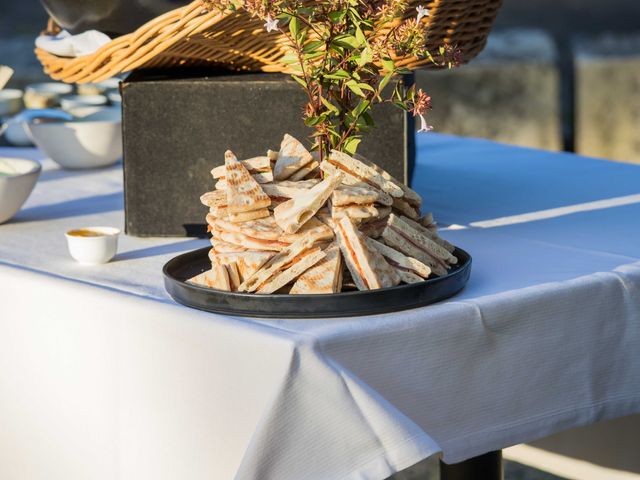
(344, 53)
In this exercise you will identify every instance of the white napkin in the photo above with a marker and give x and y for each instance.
(66, 45)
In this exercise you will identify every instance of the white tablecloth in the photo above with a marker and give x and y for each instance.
(103, 376)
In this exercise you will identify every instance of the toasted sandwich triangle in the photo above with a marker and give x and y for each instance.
(276, 264)
(368, 268)
(294, 213)
(324, 277)
(217, 278)
(307, 260)
(364, 172)
(291, 158)
(247, 263)
(253, 165)
(399, 260)
(244, 194)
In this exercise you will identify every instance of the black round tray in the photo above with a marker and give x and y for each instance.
(181, 268)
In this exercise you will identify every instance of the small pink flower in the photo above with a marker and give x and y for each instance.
(271, 24)
(422, 12)
(424, 128)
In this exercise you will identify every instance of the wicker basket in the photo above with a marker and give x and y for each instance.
(192, 36)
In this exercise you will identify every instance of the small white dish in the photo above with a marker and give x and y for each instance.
(69, 102)
(93, 140)
(10, 101)
(18, 176)
(93, 245)
(45, 95)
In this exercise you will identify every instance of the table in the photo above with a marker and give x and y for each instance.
(102, 376)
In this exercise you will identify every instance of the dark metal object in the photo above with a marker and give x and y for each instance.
(403, 297)
(482, 467)
(114, 17)
(177, 126)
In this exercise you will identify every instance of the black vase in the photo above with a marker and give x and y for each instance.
(113, 17)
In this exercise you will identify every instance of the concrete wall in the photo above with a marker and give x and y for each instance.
(607, 93)
(509, 93)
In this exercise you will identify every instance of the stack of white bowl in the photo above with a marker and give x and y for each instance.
(92, 139)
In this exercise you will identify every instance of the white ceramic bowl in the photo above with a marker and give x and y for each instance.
(45, 95)
(92, 141)
(99, 88)
(16, 134)
(98, 247)
(70, 102)
(18, 176)
(10, 101)
(114, 97)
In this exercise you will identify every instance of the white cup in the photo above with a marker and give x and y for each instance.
(93, 245)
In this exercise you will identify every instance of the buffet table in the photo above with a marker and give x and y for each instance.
(103, 376)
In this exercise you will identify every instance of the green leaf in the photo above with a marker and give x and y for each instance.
(302, 36)
(388, 64)
(385, 81)
(315, 120)
(355, 88)
(366, 86)
(337, 49)
(305, 11)
(350, 145)
(312, 55)
(337, 16)
(290, 58)
(338, 75)
(365, 57)
(312, 46)
(299, 80)
(330, 106)
(294, 27)
(346, 41)
(360, 108)
(360, 38)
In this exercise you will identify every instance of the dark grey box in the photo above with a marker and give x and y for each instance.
(177, 126)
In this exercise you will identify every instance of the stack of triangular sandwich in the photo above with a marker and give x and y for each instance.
(286, 223)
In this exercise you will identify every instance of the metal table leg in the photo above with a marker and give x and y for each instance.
(482, 467)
